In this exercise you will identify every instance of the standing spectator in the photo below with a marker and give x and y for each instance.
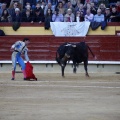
(57, 17)
(6, 1)
(99, 17)
(77, 6)
(48, 19)
(73, 2)
(5, 16)
(69, 16)
(89, 16)
(107, 15)
(3, 7)
(115, 16)
(53, 4)
(17, 16)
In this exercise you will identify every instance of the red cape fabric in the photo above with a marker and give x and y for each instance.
(29, 71)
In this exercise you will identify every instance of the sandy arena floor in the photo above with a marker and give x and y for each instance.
(52, 97)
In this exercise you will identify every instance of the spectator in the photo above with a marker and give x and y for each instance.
(99, 17)
(17, 16)
(12, 8)
(61, 8)
(20, 3)
(31, 2)
(69, 6)
(7, 2)
(79, 17)
(64, 4)
(53, 4)
(27, 7)
(57, 16)
(3, 7)
(69, 16)
(105, 2)
(115, 16)
(48, 6)
(89, 16)
(73, 2)
(102, 7)
(93, 8)
(37, 16)
(82, 10)
(5, 16)
(77, 6)
(118, 6)
(27, 16)
(48, 19)
(107, 15)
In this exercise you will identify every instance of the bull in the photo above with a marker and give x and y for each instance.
(76, 52)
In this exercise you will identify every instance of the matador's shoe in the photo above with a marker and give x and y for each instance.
(13, 79)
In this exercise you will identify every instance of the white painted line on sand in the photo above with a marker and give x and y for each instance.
(67, 86)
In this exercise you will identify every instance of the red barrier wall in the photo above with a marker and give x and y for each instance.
(106, 48)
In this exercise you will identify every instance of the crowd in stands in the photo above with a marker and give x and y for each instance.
(59, 10)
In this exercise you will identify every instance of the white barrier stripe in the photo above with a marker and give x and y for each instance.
(54, 62)
(67, 86)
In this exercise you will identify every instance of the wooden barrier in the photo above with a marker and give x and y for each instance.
(38, 29)
(106, 48)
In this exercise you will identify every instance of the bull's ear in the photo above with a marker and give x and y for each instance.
(74, 46)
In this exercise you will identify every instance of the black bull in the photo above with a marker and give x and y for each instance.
(77, 52)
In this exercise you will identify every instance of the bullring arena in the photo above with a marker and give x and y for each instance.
(52, 97)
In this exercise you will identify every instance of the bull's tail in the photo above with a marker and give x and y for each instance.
(91, 52)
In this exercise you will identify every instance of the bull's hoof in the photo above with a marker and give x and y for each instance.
(87, 75)
(74, 70)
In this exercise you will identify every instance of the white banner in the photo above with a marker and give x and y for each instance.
(72, 29)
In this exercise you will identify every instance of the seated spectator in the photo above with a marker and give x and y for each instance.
(107, 15)
(5, 16)
(77, 6)
(73, 2)
(102, 7)
(61, 8)
(89, 16)
(27, 7)
(69, 16)
(37, 16)
(27, 16)
(16, 17)
(64, 4)
(48, 6)
(93, 8)
(48, 19)
(12, 8)
(118, 6)
(2, 8)
(82, 9)
(79, 17)
(69, 6)
(53, 4)
(41, 11)
(115, 15)
(57, 16)
(99, 17)
(19, 4)
(31, 2)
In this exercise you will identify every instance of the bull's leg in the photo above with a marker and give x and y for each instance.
(62, 69)
(85, 66)
(74, 67)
